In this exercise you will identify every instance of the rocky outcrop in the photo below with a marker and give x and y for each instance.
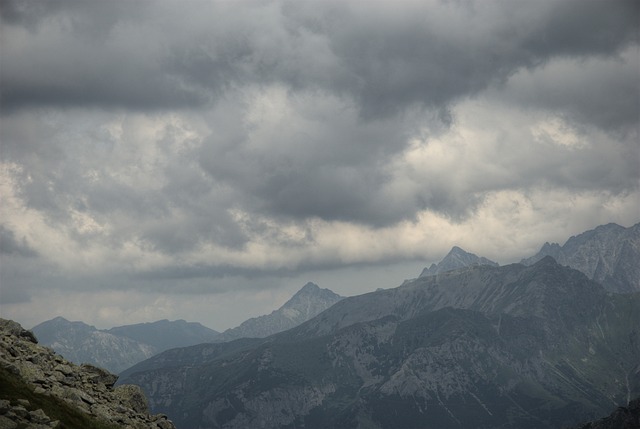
(622, 418)
(37, 382)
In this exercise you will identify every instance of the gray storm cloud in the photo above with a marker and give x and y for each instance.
(162, 55)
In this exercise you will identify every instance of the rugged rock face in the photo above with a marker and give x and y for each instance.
(40, 389)
(118, 348)
(456, 259)
(305, 304)
(608, 254)
(622, 418)
(511, 347)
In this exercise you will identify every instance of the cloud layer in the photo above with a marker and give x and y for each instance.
(201, 147)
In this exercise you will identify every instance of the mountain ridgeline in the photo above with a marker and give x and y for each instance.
(514, 346)
(550, 342)
(118, 348)
(308, 302)
(455, 259)
(608, 254)
(121, 347)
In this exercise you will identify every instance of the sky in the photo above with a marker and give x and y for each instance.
(203, 160)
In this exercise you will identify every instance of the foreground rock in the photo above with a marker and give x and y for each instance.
(37, 383)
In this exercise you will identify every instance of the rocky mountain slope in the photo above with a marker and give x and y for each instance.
(119, 348)
(510, 347)
(305, 304)
(608, 254)
(456, 259)
(40, 389)
(622, 418)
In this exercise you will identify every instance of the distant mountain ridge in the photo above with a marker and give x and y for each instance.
(165, 334)
(118, 348)
(467, 344)
(305, 304)
(512, 346)
(608, 254)
(456, 258)
(121, 347)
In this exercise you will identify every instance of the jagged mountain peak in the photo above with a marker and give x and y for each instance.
(550, 247)
(309, 286)
(456, 258)
(310, 291)
(608, 254)
(309, 301)
(458, 250)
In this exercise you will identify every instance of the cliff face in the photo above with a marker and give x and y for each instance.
(40, 389)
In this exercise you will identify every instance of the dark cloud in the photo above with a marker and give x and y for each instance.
(10, 245)
(385, 58)
(576, 28)
(74, 53)
(597, 91)
(310, 156)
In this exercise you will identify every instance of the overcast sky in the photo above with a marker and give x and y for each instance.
(203, 160)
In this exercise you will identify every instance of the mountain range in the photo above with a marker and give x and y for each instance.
(466, 344)
(118, 348)
(121, 347)
(549, 342)
(608, 254)
(515, 346)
